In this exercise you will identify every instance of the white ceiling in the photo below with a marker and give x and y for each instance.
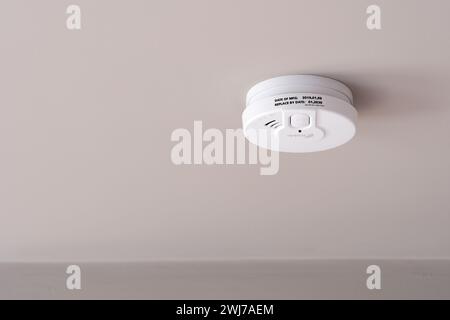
(86, 118)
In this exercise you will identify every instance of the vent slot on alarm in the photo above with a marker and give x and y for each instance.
(273, 124)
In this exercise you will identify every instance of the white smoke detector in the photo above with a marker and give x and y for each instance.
(299, 113)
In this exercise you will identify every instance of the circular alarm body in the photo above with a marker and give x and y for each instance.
(299, 113)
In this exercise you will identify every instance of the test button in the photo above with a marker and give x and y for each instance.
(300, 120)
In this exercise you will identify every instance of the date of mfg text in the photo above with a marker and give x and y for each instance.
(229, 310)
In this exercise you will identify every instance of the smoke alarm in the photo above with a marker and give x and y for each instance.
(299, 113)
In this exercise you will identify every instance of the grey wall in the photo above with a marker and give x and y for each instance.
(314, 279)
